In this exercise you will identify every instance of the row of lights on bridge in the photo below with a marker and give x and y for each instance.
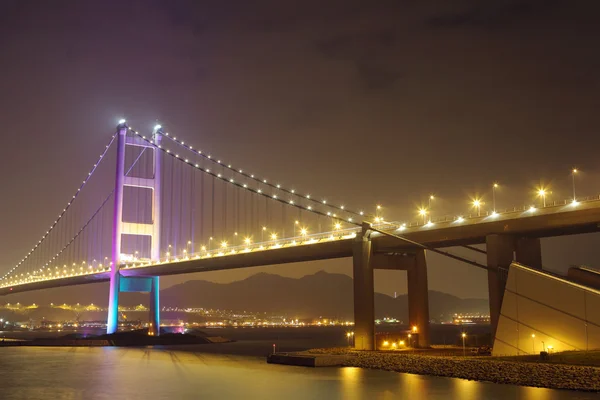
(424, 212)
(477, 203)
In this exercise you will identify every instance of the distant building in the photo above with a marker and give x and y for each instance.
(466, 319)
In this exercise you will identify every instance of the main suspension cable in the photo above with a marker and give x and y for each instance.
(62, 214)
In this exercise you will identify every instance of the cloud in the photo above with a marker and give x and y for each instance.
(490, 14)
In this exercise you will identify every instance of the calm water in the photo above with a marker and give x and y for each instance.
(208, 372)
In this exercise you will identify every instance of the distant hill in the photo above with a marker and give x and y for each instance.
(320, 294)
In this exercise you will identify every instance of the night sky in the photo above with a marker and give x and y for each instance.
(367, 103)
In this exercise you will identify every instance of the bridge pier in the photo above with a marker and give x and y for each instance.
(154, 323)
(415, 266)
(112, 320)
(502, 250)
(418, 298)
(364, 294)
(528, 251)
(500, 254)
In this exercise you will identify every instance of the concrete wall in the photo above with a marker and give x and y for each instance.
(561, 314)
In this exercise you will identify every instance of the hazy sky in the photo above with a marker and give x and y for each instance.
(365, 102)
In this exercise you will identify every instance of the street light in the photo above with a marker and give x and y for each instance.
(573, 172)
(429, 205)
(295, 225)
(494, 187)
(303, 231)
(542, 193)
(262, 233)
(464, 335)
(423, 212)
(477, 205)
(533, 342)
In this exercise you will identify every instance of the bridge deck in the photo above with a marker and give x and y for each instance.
(545, 222)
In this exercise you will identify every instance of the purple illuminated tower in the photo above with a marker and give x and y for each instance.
(120, 283)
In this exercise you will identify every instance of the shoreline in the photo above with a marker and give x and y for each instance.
(483, 369)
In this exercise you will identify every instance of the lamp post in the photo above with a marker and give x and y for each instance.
(542, 194)
(573, 172)
(262, 233)
(494, 196)
(464, 335)
(477, 205)
(303, 232)
(337, 227)
(295, 225)
(429, 205)
(533, 342)
(423, 212)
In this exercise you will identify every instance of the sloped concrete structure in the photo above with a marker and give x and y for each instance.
(542, 311)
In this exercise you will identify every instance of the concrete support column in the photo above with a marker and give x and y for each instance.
(500, 254)
(364, 295)
(528, 251)
(155, 307)
(112, 322)
(418, 299)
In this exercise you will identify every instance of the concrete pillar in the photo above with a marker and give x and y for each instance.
(155, 307)
(364, 295)
(528, 251)
(112, 323)
(500, 254)
(418, 299)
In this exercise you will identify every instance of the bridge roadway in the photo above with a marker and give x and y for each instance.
(566, 219)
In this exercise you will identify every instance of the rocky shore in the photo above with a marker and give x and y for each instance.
(555, 376)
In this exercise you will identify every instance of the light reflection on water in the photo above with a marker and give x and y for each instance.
(161, 373)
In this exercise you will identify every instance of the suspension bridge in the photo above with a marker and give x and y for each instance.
(171, 208)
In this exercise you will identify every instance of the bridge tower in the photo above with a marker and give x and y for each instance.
(119, 283)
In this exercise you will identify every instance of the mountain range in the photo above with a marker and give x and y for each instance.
(320, 294)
